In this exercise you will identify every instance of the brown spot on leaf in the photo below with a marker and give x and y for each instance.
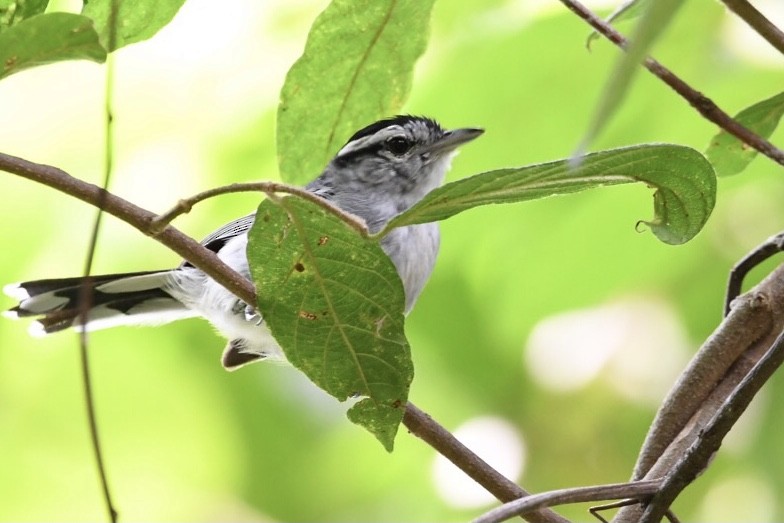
(396, 404)
(307, 315)
(299, 267)
(323, 240)
(10, 62)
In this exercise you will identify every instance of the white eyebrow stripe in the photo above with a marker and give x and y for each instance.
(378, 137)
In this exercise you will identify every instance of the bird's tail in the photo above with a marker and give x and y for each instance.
(114, 299)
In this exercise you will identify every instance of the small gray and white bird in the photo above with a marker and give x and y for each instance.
(383, 170)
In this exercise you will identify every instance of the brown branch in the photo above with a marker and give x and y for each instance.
(135, 216)
(749, 321)
(759, 315)
(757, 21)
(637, 490)
(698, 455)
(423, 426)
(419, 423)
(704, 105)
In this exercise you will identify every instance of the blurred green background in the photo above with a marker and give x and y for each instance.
(546, 338)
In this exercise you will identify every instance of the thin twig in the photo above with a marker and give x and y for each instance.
(770, 247)
(704, 105)
(698, 455)
(519, 507)
(757, 21)
(85, 293)
(184, 206)
(418, 422)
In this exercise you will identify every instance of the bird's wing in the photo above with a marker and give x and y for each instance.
(218, 239)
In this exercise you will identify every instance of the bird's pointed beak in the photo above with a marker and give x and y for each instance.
(454, 139)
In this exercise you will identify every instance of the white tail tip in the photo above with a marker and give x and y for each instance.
(16, 291)
(36, 330)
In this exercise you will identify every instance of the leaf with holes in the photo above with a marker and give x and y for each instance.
(47, 38)
(136, 20)
(334, 302)
(728, 154)
(357, 67)
(684, 181)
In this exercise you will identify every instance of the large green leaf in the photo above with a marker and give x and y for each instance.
(684, 181)
(136, 20)
(14, 11)
(334, 302)
(654, 19)
(47, 38)
(356, 68)
(728, 154)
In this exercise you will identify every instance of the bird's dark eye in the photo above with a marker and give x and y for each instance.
(398, 145)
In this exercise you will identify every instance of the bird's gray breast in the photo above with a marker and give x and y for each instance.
(413, 250)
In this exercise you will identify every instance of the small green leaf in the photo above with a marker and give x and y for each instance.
(626, 11)
(136, 20)
(684, 181)
(356, 68)
(47, 38)
(14, 11)
(655, 18)
(728, 154)
(334, 302)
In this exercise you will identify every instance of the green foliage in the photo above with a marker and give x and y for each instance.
(684, 182)
(334, 302)
(654, 19)
(136, 20)
(14, 11)
(235, 445)
(356, 68)
(728, 154)
(627, 11)
(47, 38)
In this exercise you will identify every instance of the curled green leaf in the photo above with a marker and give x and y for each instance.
(731, 156)
(357, 67)
(48, 38)
(334, 302)
(684, 183)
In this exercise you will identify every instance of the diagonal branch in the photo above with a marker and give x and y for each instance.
(698, 455)
(757, 21)
(704, 105)
(685, 431)
(419, 423)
